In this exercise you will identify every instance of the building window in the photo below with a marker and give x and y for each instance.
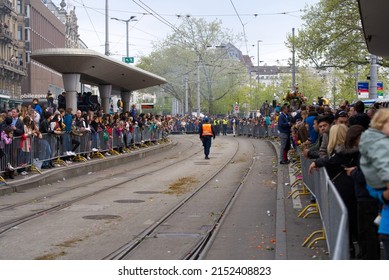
(19, 7)
(27, 34)
(20, 33)
(20, 59)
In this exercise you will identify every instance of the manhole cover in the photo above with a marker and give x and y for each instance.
(201, 163)
(102, 217)
(129, 201)
(177, 234)
(146, 192)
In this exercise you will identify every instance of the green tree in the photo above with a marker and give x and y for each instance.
(331, 35)
(197, 50)
(175, 65)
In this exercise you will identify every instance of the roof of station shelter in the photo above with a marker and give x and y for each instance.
(97, 69)
(374, 22)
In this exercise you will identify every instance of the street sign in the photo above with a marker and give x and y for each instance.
(128, 59)
(380, 89)
(236, 109)
(363, 89)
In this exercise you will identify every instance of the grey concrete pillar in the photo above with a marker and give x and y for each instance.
(105, 94)
(373, 77)
(126, 96)
(71, 83)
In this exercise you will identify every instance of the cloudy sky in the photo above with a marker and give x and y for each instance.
(264, 20)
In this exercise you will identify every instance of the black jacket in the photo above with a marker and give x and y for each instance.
(361, 191)
(361, 119)
(19, 131)
(335, 165)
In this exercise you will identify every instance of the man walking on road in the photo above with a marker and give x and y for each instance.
(285, 130)
(206, 134)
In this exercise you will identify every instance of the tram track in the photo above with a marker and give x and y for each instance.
(153, 226)
(8, 225)
(198, 248)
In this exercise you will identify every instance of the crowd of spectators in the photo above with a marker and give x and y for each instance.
(332, 139)
(33, 121)
(329, 137)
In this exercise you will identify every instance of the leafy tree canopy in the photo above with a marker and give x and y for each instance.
(197, 50)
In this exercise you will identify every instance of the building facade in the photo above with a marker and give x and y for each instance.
(25, 26)
(45, 28)
(270, 75)
(12, 49)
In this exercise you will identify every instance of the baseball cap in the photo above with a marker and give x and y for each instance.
(341, 114)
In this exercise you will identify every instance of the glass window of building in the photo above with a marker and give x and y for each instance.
(20, 32)
(19, 7)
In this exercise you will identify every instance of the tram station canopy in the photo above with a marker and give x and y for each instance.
(374, 17)
(97, 69)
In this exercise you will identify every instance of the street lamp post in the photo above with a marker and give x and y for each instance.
(198, 87)
(258, 52)
(293, 63)
(106, 29)
(132, 18)
(258, 69)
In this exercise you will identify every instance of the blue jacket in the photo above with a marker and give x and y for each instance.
(313, 135)
(284, 123)
(384, 224)
(38, 108)
(68, 120)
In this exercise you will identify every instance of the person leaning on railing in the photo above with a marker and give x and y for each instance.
(71, 144)
(339, 158)
(96, 128)
(30, 131)
(17, 124)
(44, 128)
(367, 206)
(319, 149)
(374, 147)
(5, 146)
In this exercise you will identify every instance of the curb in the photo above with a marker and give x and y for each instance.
(281, 248)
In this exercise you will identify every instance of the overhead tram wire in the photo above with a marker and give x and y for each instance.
(86, 11)
(233, 15)
(244, 30)
(159, 17)
(102, 12)
(289, 13)
(155, 14)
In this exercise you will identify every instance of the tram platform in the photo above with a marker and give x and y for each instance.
(65, 170)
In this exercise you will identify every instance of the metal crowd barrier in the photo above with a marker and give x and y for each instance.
(256, 130)
(189, 128)
(331, 208)
(32, 152)
(329, 204)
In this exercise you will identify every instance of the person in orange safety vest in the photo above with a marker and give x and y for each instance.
(207, 132)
